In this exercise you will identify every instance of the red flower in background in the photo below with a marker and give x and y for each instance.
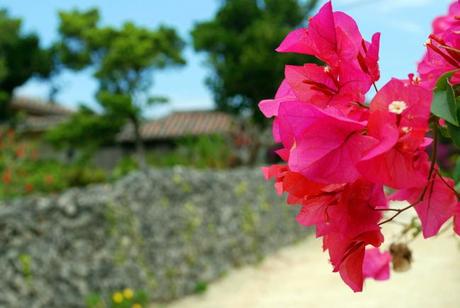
(7, 176)
(28, 187)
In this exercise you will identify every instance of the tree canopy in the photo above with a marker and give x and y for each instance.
(21, 57)
(123, 60)
(240, 42)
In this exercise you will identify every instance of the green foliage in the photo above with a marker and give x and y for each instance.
(78, 175)
(240, 43)
(201, 152)
(126, 298)
(201, 287)
(456, 171)
(123, 58)
(85, 130)
(21, 58)
(26, 265)
(446, 105)
(23, 172)
(125, 166)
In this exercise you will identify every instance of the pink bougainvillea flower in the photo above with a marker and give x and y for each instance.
(443, 49)
(339, 152)
(324, 146)
(355, 212)
(270, 107)
(330, 37)
(294, 184)
(399, 116)
(437, 206)
(347, 255)
(438, 60)
(323, 87)
(349, 222)
(369, 60)
(334, 38)
(442, 23)
(376, 264)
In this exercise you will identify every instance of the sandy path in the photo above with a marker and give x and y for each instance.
(300, 276)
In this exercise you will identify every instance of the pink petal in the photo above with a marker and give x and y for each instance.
(376, 264)
(314, 212)
(269, 107)
(396, 169)
(438, 205)
(312, 134)
(351, 269)
(322, 32)
(296, 41)
(297, 76)
(339, 164)
(372, 58)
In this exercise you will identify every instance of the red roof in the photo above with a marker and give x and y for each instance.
(39, 108)
(181, 124)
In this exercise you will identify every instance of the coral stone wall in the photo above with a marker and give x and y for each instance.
(167, 232)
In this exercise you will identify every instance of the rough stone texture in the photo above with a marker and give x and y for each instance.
(166, 232)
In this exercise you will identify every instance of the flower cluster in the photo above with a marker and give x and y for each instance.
(340, 152)
(443, 54)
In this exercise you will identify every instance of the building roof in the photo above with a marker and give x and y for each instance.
(40, 124)
(36, 107)
(181, 124)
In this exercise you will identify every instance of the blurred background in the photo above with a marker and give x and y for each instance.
(130, 143)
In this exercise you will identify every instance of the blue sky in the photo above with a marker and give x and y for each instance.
(404, 25)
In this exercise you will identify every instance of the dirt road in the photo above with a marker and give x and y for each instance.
(300, 276)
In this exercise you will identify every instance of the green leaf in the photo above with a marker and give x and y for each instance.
(444, 103)
(456, 173)
(454, 132)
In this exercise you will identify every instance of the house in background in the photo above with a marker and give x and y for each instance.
(164, 133)
(187, 128)
(36, 117)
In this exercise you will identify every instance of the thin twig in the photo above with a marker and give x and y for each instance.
(375, 87)
(448, 185)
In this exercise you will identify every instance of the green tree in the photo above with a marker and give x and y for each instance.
(123, 59)
(21, 58)
(85, 130)
(240, 42)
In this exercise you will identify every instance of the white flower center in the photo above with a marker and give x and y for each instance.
(397, 107)
(327, 69)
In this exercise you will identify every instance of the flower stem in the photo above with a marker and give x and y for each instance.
(375, 87)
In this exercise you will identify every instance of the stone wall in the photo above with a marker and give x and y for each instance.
(167, 232)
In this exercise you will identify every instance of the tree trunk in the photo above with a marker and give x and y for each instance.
(140, 150)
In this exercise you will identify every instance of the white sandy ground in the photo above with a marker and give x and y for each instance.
(300, 276)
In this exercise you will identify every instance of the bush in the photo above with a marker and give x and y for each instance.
(126, 165)
(23, 172)
(202, 152)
